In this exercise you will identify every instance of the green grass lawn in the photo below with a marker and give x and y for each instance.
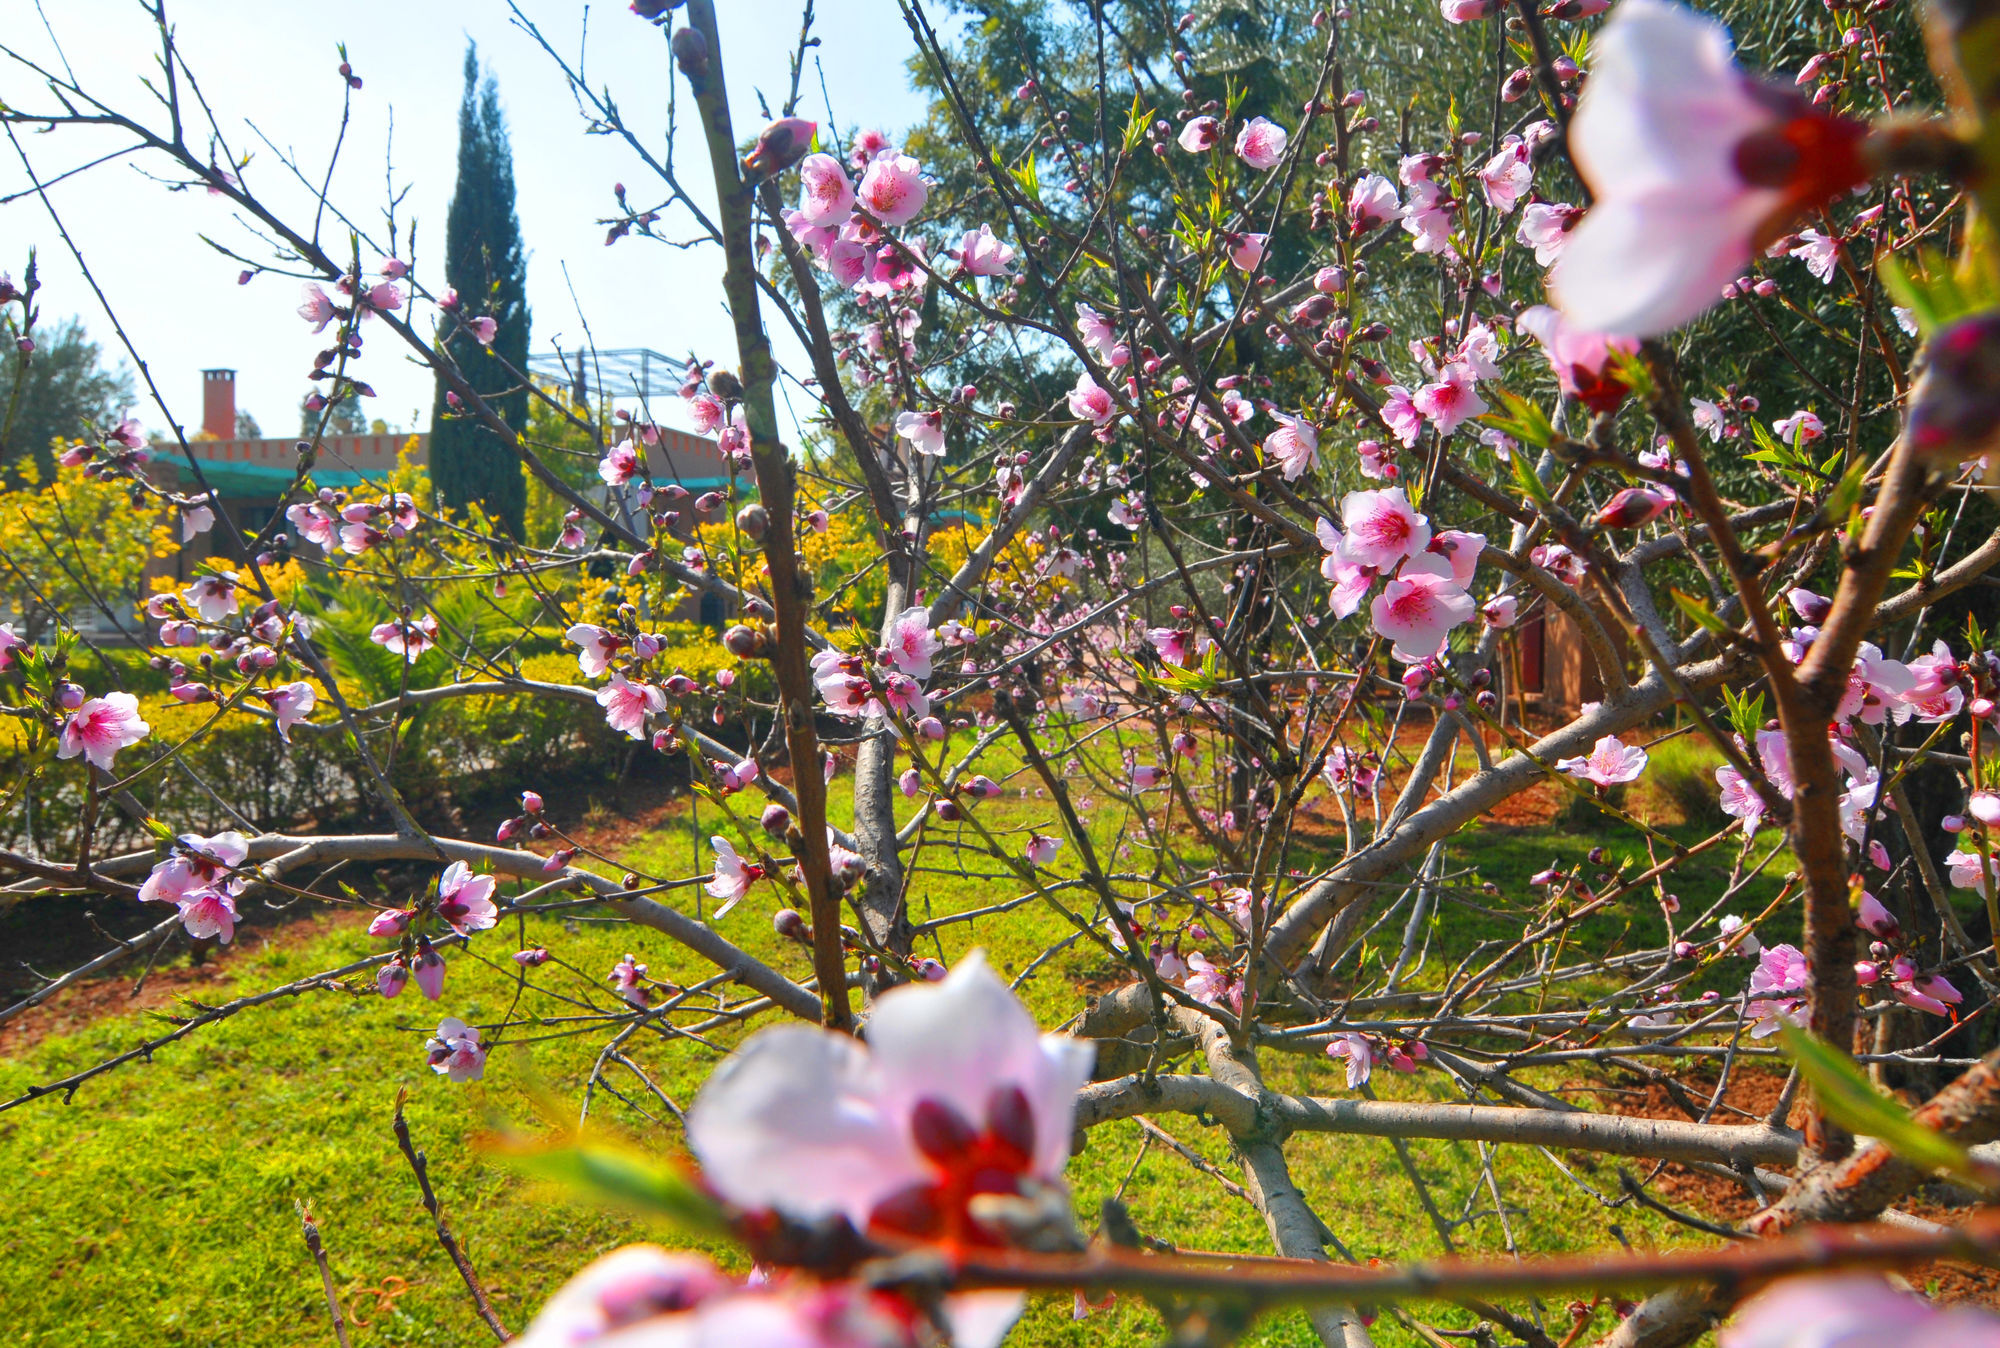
(159, 1206)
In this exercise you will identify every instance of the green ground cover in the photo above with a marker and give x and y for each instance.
(159, 1206)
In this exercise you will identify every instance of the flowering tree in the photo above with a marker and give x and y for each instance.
(1169, 535)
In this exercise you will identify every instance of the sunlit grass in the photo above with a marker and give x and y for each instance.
(159, 1206)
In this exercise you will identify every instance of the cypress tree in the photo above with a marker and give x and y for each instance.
(485, 264)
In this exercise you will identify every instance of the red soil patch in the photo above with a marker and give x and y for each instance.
(1756, 1092)
(112, 993)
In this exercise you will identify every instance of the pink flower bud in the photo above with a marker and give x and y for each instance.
(929, 969)
(532, 957)
(910, 782)
(775, 819)
(392, 977)
(948, 811)
(391, 922)
(531, 801)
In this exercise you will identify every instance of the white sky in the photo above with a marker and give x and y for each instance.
(272, 62)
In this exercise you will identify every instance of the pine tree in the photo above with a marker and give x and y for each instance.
(485, 264)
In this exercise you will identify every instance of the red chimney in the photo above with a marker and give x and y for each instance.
(218, 403)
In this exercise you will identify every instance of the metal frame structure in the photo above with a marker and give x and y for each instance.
(627, 372)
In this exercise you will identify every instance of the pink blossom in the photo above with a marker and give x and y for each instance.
(1852, 1310)
(1559, 562)
(1097, 333)
(1090, 402)
(620, 464)
(1926, 992)
(212, 596)
(826, 197)
(1876, 919)
(1294, 446)
(1246, 251)
(1780, 969)
(1581, 359)
(1377, 461)
(428, 969)
(1450, 401)
(1632, 507)
(318, 309)
(1819, 252)
(1739, 799)
(197, 517)
(628, 980)
(595, 647)
(643, 1295)
(196, 863)
(1172, 644)
(705, 410)
(911, 642)
(1545, 227)
(1401, 414)
(1261, 143)
(1351, 581)
(1427, 217)
(1801, 427)
(626, 704)
(954, 1081)
(1213, 984)
(208, 913)
(1506, 177)
(892, 189)
(1462, 550)
(1467, 11)
(924, 431)
(289, 703)
(484, 330)
(100, 727)
(1372, 202)
(1042, 849)
(1200, 135)
(1418, 609)
(409, 639)
(1693, 166)
(1609, 763)
(384, 297)
(1501, 610)
(465, 900)
(391, 922)
(1145, 776)
(1360, 1054)
(10, 640)
(1934, 695)
(315, 525)
(981, 254)
(733, 875)
(1381, 528)
(455, 1051)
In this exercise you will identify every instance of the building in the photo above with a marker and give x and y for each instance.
(252, 476)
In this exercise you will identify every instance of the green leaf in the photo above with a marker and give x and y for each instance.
(1530, 484)
(1851, 1100)
(1746, 713)
(621, 1179)
(1846, 495)
(1524, 420)
(1029, 178)
(1698, 609)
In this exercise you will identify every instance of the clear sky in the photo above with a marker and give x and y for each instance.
(271, 64)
